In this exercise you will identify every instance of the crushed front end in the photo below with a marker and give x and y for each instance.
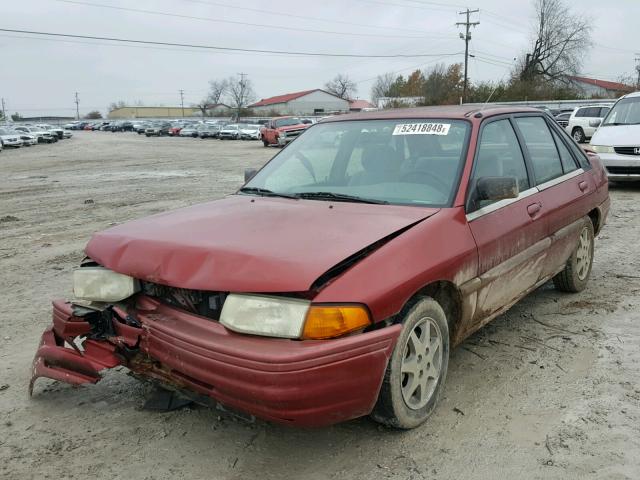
(174, 336)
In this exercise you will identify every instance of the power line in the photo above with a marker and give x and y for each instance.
(466, 37)
(232, 49)
(233, 22)
(301, 17)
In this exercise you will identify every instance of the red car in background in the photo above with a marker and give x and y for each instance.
(175, 129)
(336, 281)
(281, 130)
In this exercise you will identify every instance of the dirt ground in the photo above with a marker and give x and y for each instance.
(549, 390)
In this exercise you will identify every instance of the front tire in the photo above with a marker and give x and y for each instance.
(577, 270)
(417, 369)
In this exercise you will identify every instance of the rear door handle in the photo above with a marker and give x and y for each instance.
(583, 186)
(534, 208)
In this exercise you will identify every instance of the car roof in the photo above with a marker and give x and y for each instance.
(452, 112)
(632, 95)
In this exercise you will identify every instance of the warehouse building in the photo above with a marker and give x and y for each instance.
(592, 87)
(153, 112)
(308, 102)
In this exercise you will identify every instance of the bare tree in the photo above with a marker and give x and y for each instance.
(217, 89)
(561, 40)
(240, 92)
(115, 105)
(381, 86)
(342, 86)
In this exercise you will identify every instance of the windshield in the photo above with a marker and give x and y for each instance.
(286, 122)
(625, 112)
(391, 161)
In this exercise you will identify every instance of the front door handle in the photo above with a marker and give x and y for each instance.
(534, 208)
(583, 186)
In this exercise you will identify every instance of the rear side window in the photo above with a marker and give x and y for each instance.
(593, 112)
(581, 112)
(567, 160)
(542, 149)
(499, 155)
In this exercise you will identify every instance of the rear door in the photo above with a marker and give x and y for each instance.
(563, 183)
(510, 237)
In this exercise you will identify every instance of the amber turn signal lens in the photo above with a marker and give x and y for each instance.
(332, 321)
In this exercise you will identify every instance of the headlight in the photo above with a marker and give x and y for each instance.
(602, 149)
(99, 284)
(290, 317)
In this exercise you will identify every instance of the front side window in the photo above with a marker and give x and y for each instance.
(499, 155)
(542, 149)
(414, 162)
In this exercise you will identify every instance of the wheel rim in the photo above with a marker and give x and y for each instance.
(421, 363)
(577, 135)
(583, 255)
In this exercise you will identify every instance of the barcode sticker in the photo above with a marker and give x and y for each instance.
(422, 129)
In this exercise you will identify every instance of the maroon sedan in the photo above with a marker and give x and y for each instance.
(336, 281)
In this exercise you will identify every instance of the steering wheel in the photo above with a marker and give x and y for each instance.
(432, 180)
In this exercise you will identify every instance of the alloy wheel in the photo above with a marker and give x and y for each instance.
(421, 363)
(583, 255)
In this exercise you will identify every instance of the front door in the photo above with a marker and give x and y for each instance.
(510, 236)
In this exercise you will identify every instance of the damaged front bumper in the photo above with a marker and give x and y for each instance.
(305, 383)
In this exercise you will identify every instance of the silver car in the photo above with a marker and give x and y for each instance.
(8, 138)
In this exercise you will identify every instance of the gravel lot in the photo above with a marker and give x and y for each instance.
(549, 390)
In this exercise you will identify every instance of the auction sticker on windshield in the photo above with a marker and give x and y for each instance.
(422, 129)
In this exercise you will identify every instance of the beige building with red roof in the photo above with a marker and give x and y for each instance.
(592, 87)
(307, 102)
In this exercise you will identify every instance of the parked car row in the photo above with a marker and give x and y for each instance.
(275, 131)
(26, 135)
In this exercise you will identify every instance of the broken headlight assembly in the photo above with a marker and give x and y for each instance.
(293, 318)
(99, 284)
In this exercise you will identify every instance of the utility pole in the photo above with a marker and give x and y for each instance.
(242, 93)
(638, 70)
(4, 113)
(77, 107)
(182, 101)
(466, 37)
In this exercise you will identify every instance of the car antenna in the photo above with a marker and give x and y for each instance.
(484, 105)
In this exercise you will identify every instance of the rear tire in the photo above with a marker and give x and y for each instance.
(417, 368)
(578, 135)
(265, 143)
(577, 270)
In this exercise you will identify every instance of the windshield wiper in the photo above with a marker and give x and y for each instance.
(339, 197)
(264, 192)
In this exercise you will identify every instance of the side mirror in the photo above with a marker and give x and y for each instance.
(595, 123)
(249, 173)
(497, 188)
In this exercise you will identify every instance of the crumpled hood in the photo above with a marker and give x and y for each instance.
(617, 136)
(246, 243)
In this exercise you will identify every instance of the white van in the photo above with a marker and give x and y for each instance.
(617, 140)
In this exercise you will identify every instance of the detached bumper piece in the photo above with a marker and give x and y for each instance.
(304, 383)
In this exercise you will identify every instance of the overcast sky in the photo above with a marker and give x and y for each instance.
(40, 75)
